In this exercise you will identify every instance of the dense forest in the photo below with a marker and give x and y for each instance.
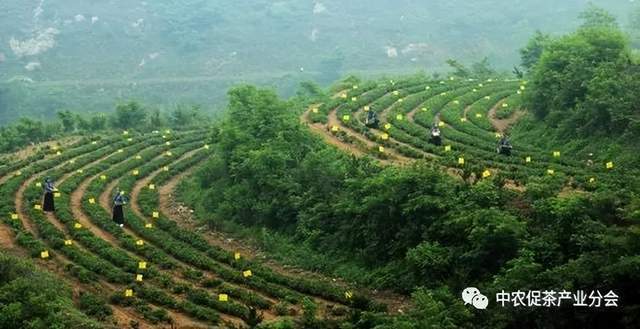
(383, 228)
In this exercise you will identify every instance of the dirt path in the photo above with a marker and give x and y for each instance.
(329, 138)
(6, 238)
(501, 125)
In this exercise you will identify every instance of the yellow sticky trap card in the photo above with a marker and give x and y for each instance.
(44, 254)
(384, 136)
(57, 195)
(592, 180)
(427, 87)
(92, 201)
(139, 277)
(18, 173)
(486, 174)
(168, 131)
(68, 242)
(120, 150)
(166, 168)
(457, 102)
(475, 90)
(505, 105)
(335, 129)
(223, 297)
(138, 157)
(609, 165)
(348, 294)
(343, 95)
(353, 99)
(125, 132)
(247, 273)
(139, 243)
(519, 92)
(164, 136)
(236, 256)
(523, 87)
(58, 153)
(487, 97)
(424, 109)
(38, 184)
(367, 108)
(206, 146)
(128, 293)
(142, 265)
(381, 149)
(152, 186)
(478, 115)
(94, 143)
(148, 225)
(37, 207)
(551, 171)
(447, 148)
(399, 117)
(387, 126)
(441, 124)
(103, 177)
(168, 153)
(77, 226)
(135, 172)
(463, 119)
(498, 135)
(460, 161)
(400, 100)
(480, 85)
(396, 92)
(556, 153)
(443, 94)
(129, 139)
(168, 143)
(355, 87)
(79, 171)
(527, 159)
(346, 117)
(156, 214)
(14, 216)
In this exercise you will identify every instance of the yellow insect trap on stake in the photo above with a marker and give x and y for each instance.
(135, 172)
(384, 136)
(155, 214)
(556, 154)
(355, 87)
(142, 265)
(44, 254)
(94, 143)
(505, 105)
(140, 243)
(461, 161)
(527, 159)
(592, 180)
(37, 207)
(348, 294)
(478, 115)
(399, 117)
(237, 256)
(463, 119)
(138, 157)
(346, 118)
(381, 149)
(396, 92)
(103, 177)
(79, 171)
(387, 126)
(207, 145)
(441, 124)
(166, 168)
(447, 148)
(353, 99)
(335, 129)
(152, 186)
(14, 216)
(223, 297)
(247, 273)
(38, 184)
(57, 195)
(139, 277)
(168, 143)
(551, 171)
(128, 293)
(68, 242)
(366, 108)
(120, 150)
(92, 201)
(77, 226)
(18, 173)
(148, 225)
(609, 165)
(486, 174)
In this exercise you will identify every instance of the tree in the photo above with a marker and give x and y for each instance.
(596, 17)
(530, 54)
(67, 119)
(129, 115)
(459, 69)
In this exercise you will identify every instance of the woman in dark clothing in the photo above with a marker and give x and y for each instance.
(49, 188)
(119, 200)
